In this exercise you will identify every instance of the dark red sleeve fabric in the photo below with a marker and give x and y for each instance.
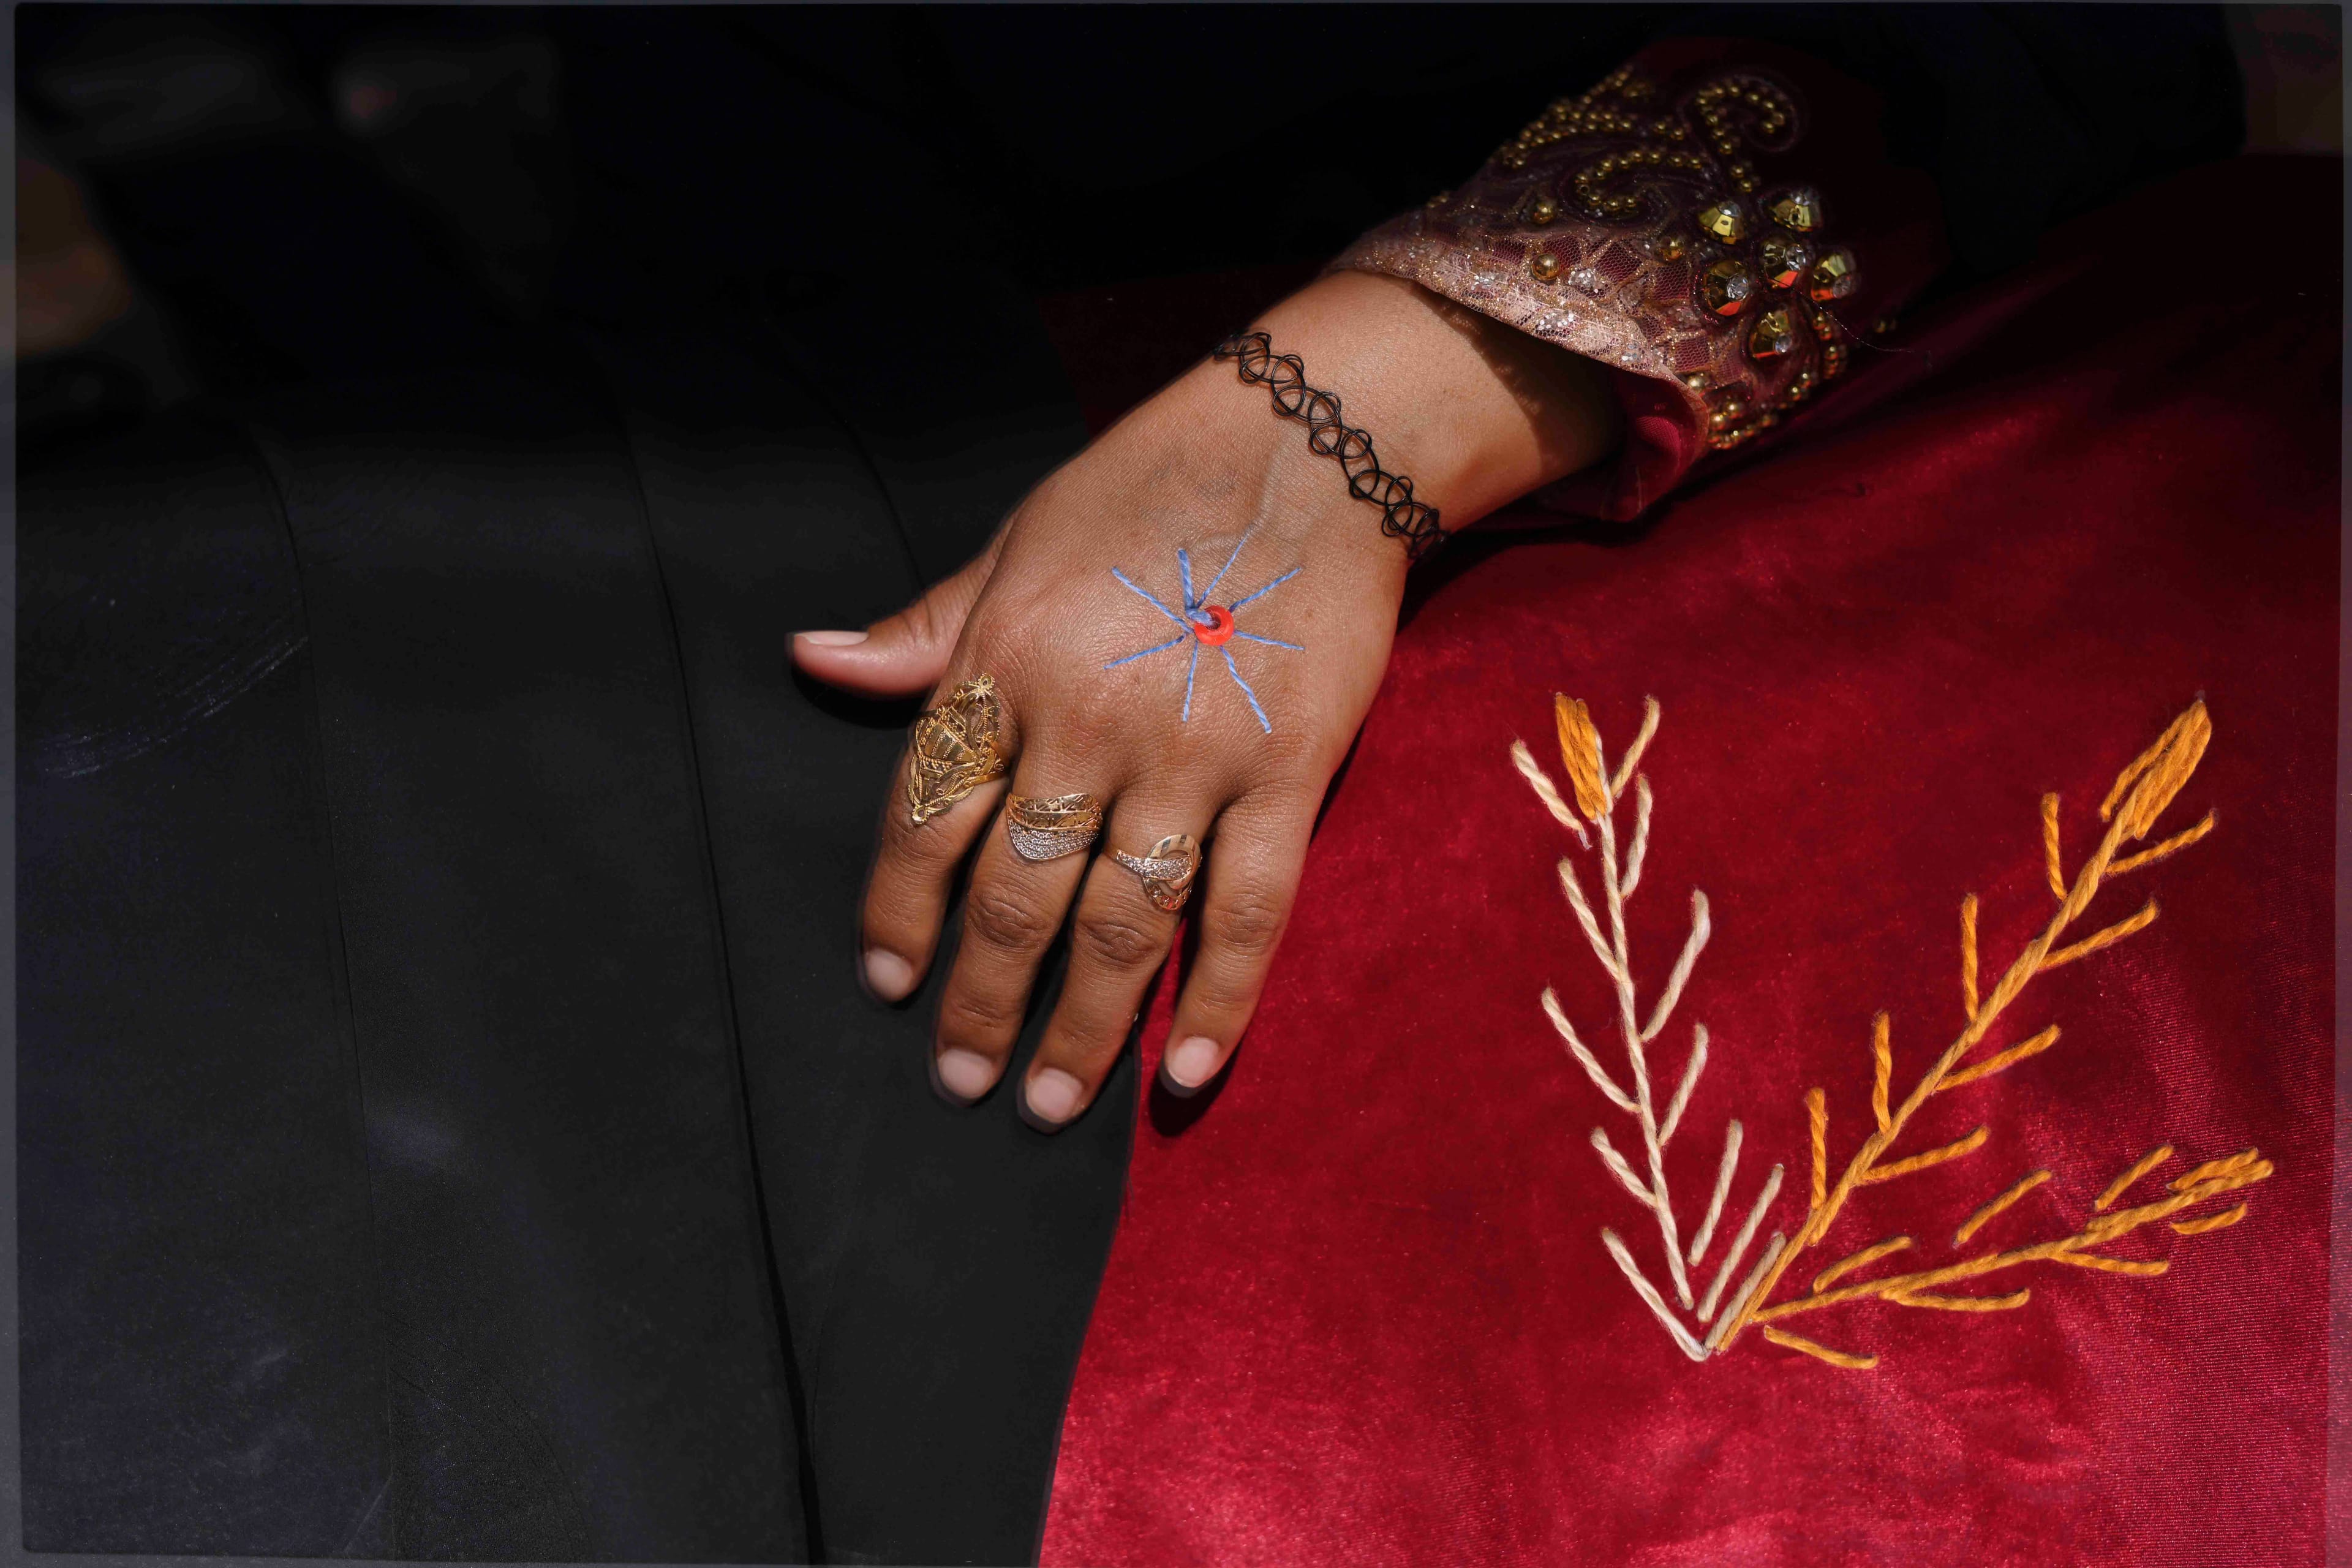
(1716, 221)
(1360, 1308)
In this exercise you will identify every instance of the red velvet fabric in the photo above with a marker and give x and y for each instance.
(1359, 1310)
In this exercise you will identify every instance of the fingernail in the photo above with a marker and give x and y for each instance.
(1192, 1063)
(890, 975)
(1053, 1095)
(831, 639)
(967, 1075)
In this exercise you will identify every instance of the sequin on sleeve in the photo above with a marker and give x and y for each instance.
(1661, 228)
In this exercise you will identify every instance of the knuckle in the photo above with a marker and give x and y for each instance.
(927, 622)
(895, 911)
(1286, 759)
(922, 622)
(1115, 942)
(1085, 1046)
(1249, 923)
(976, 1018)
(924, 849)
(1084, 726)
(1006, 923)
(892, 930)
(1213, 997)
(912, 855)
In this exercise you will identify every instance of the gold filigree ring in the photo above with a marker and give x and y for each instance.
(1168, 871)
(956, 749)
(1050, 826)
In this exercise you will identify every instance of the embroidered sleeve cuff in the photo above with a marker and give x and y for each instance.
(1716, 222)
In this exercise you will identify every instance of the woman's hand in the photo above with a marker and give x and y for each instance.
(1082, 613)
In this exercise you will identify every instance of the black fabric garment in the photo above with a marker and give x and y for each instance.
(452, 1127)
(203, 1357)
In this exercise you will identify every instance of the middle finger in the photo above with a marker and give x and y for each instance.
(1028, 867)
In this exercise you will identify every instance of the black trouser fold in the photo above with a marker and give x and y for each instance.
(451, 1124)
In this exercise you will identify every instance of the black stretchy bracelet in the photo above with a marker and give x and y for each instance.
(1285, 375)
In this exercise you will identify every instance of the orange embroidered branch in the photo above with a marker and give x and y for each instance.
(2107, 938)
(2149, 1269)
(1817, 1113)
(2124, 1221)
(2169, 847)
(2213, 1168)
(1863, 1260)
(2122, 1183)
(2141, 793)
(1882, 1069)
(2071, 1250)
(1968, 959)
(2050, 862)
(2146, 786)
(1985, 1215)
(1951, 1150)
(1963, 1303)
(1836, 1358)
(2009, 1057)
(1580, 753)
(2221, 1221)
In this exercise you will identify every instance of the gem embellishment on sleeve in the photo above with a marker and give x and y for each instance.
(1705, 1312)
(1667, 232)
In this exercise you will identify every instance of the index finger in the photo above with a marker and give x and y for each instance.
(944, 795)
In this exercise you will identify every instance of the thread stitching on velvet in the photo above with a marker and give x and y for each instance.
(1992, 1208)
(2140, 797)
(2132, 808)
(1593, 798)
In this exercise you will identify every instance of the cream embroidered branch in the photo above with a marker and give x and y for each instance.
(1596, 795)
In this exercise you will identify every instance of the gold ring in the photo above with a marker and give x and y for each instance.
(955, 749)
(1048, 828)
(1168, 871)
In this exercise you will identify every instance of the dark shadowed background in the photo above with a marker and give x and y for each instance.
(231, 200)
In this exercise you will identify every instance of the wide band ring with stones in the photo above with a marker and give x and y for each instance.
(1046, 827)
(1167, 872)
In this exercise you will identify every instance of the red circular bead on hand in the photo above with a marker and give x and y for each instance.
(1220, 630)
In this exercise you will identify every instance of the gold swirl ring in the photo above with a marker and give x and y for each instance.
(1048, 828)
(1168, 871)
(955, 749)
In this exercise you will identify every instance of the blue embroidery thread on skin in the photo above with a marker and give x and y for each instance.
(1202, 622)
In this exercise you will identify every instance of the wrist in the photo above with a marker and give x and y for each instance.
(1220, 454)
(1475, 414)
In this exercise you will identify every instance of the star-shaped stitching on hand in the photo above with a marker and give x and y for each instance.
(1204, 625)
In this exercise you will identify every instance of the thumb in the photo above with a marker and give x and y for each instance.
(905, 654)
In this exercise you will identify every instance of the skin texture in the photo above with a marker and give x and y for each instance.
(1477, 414)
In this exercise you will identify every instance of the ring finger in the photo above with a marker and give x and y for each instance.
(1118, 939)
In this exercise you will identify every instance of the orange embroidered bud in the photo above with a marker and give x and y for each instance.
(1580, 752)
(2157, 775)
